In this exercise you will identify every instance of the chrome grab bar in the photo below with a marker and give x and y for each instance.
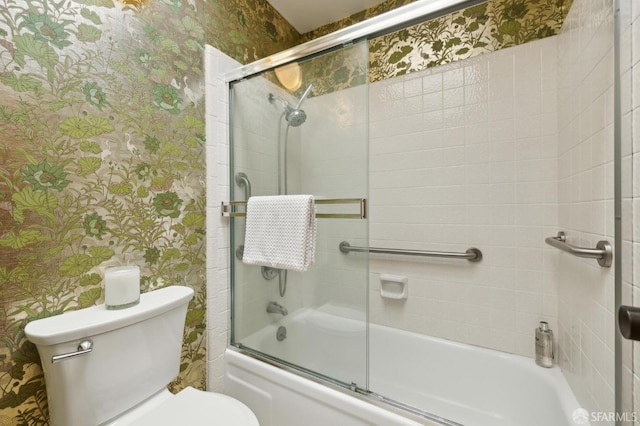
(243, 180)
(85, 347)
(603, 251)
(472, 254)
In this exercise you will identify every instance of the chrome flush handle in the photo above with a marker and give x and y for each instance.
(84, 348)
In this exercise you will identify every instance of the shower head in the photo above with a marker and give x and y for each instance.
(294, 116)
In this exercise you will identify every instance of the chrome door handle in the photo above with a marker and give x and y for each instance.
(84, 348)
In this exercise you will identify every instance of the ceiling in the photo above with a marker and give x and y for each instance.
(307, 15)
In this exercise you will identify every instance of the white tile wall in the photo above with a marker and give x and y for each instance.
(464, 155)
(217, 148)
(586, 192)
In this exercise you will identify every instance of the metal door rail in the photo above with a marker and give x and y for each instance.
(603, 251)
(231, 209)
(472, 254)
(388, 22)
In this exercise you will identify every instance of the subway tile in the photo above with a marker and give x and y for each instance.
(476, 113)
(528, 83)
(501, 86)
(392, 90)
(501, 63)
(501, 130)
(476, 93)
(453, 117)
(476, 133)
(432, 120)
(476, 72)
(453, 97)
(412, 86)
(453, 78)
(432, 101)
(432, 83)
(529, 103)
(528, 149)
(529, 126)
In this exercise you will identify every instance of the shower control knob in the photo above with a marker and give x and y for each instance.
(629, 322)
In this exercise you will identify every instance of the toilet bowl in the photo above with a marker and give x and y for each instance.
(111, 368)
(188, 407)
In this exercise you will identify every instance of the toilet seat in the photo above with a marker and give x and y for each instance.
(198, 408)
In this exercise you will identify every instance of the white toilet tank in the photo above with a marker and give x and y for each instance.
(136, 353)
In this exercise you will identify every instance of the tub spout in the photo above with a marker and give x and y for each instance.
(276, 308)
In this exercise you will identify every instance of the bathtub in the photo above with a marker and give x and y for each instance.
(413, 379)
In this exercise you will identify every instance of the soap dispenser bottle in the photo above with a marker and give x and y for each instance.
(544, 345)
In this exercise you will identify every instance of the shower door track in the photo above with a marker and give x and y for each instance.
(350, 389)
(396, 19)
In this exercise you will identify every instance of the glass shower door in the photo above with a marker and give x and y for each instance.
(302, 129)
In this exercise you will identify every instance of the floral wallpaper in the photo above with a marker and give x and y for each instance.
(487, 27)
(247, 30)
(102, 161)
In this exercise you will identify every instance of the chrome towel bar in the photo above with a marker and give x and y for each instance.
(603, 251)
(230, 209)
(472, 255)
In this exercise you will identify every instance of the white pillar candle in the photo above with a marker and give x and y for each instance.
(121, 287)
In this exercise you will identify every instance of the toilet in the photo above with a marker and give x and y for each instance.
(111, 367)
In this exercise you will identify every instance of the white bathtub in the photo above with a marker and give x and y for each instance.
(465, 384)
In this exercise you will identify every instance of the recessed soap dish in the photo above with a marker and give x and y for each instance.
(394, 286)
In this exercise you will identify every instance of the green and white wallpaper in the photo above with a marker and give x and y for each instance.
(102, 160)
(102, 145)
(487, 27)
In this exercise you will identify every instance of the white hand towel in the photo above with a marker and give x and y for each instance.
(281, 232)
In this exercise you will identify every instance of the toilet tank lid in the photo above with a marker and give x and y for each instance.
(75, 325)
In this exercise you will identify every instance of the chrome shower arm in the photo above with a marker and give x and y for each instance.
(303, 97)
